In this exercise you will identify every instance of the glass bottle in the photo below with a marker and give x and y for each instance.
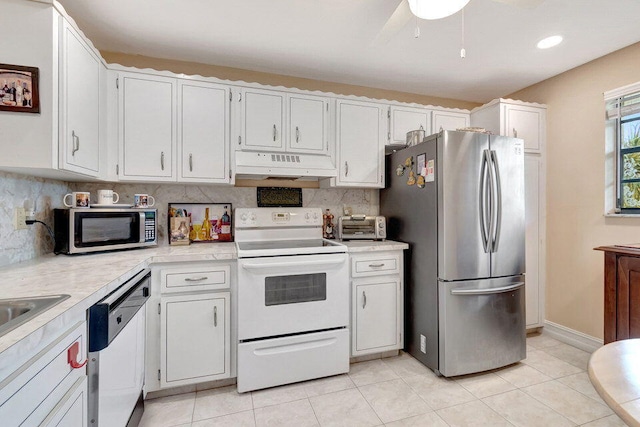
(225, 226)
(327, 225)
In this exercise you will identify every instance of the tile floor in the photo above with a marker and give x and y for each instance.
(548, 389)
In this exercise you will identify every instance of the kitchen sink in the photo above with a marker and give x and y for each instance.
(14, 312)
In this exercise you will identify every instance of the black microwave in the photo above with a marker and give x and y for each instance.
(81, 230)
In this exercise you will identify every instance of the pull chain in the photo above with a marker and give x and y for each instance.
(416, 33)
(463, 52)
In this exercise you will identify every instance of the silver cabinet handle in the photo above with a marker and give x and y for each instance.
(364, 299)
(215, 316)
(297, 134)
(515, 133)
(376, 265)
(197, 279)
(75, 141)
(190, 162)
(346, 168)
(274, 132)
(162, 160)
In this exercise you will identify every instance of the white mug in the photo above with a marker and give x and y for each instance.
(143, 200)
(79, 199)
(106, 197)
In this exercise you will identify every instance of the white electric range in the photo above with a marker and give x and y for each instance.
(293, 298)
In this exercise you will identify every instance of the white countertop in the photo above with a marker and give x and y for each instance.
(89, 278)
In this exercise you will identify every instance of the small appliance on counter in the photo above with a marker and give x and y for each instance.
(362, 227)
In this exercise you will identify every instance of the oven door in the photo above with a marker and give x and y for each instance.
(292, 294)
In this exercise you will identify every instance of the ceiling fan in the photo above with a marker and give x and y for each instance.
(431, 9)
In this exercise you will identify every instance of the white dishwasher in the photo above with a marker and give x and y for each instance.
(116, 355)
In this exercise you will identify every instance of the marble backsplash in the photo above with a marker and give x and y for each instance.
(22, 245)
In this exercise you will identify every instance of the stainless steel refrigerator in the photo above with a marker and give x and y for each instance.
(464, 272)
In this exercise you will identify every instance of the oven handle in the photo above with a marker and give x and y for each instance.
(260, 266)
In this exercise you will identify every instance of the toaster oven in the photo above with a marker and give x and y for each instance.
(362, 227)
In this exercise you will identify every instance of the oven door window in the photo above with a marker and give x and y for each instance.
(104, 230)
(294, 289)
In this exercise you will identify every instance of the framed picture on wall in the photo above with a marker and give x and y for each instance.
(19, 89)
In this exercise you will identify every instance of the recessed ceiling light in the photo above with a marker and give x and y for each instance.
(549, 42)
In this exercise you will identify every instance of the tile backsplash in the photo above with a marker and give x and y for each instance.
(21, 245)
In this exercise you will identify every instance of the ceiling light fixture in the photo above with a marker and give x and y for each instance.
(435, 9)
(548, 42)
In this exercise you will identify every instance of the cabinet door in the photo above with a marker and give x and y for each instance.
(203, 132)
(534, 296)
(405, 119)
(449, 120)
(375, 315)
(262, 120)
(71, 411)
(308, 124)
(195, 343)
(360, 139)
(147, 127)
(628, 296)
(527, 123)
(80, 105)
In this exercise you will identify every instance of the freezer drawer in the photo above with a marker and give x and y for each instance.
(272, 362)
(481, 324)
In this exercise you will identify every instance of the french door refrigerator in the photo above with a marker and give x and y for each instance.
(465, 225)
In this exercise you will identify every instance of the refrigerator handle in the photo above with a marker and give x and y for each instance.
(498, 290)
(482, 202)
(497, 202)
(492, 200)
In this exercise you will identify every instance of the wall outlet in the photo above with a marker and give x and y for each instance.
(19, 218)
(423, 344)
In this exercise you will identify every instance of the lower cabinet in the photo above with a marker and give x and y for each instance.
(376, 302)
(194, 338)
(189, 331)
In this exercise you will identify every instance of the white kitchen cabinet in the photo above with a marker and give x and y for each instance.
(46, 390)
(404, 119)
(80, 107)
(195, 340)
(203, 132)
(360, 138)
(527, 121)
(449, 120)
(147, 127)
(308, 124)
(376, 302)
(262, 119)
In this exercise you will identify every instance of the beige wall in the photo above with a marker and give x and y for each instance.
(575, 187)
(236, 74)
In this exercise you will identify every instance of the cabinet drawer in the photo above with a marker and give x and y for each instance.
(375, 265)
(190, 279)
(36, 388)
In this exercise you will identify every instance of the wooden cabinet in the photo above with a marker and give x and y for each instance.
(448, 120)
(80, 104)
(203, 132)
(189, 335)
(527, 121)
(621, 292)
(147, 127)
(263, 119)
(404, 119)
(360, 128)
(194, 338)
(376, 297)
(308, 124)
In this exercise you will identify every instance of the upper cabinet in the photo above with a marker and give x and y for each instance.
(262, 120)
(308, 123)
(360, 138)
(203, 132)
(514, 118)
(147, 127)
(405, 119)
(449, 120)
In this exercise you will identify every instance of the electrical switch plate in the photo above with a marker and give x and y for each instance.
(423, 343)
(19, 218)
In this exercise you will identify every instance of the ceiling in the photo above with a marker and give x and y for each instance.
(333, 40)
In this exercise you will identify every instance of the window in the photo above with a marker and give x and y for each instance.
(623, 133)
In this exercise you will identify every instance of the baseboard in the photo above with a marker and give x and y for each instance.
(572, 337)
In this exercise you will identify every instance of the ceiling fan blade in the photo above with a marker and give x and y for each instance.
(394, 24)
(527, 4)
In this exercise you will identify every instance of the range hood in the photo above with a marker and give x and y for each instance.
(266, 164)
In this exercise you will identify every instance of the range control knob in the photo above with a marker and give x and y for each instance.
(315, 215)
(243, 217)
(252, 217)
(307, 216)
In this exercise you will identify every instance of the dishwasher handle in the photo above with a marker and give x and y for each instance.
(488, 291)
